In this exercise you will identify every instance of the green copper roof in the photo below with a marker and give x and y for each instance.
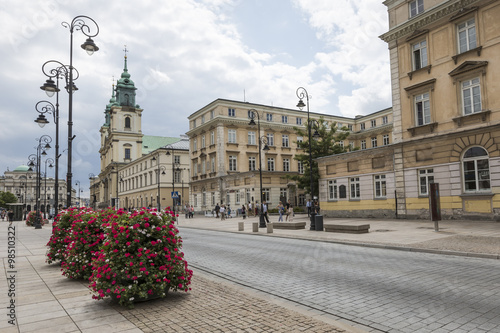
(125, 81)
(151, 143)
(22, 168)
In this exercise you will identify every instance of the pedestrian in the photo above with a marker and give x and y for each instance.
(289, 213)
(243, 212)
(316, 208)
(308, 206)
(228, 211)
(256, 208)
(191, 212)
(287, 209)
(264, 211)
(250, 210)
(222, 213)
(11, 216)
(280, 211)
(217, 209)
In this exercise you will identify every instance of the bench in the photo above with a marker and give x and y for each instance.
(347, 229)
(209, 213)
(289, 225)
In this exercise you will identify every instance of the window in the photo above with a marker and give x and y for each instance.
(284, 119)
(177, 176)
(349, 127)
(270, 139)
(269, 116)
(270, 164)
(212, 138)
(341, 144)
(340, 125)
(300, 167)
(237, 201)
(212, 164)
(351, 146)
(251, 138)
(251, 163)
(355, 191)
(373, 123)
(425, 177)
(374, 142)
(213, 198)
(299, 121)
(203, 119)
(332, 190)
(232, 163)
(380, 186)
(385, 120)
(385, 139)
(286, 164)
(127, 153)
(195, 144)
(177, 159)
(212, 114)
(419, 55)
(467, 36)
(266, 194)
(422, 109)
(203, 141)
(231, 136)
(363, 144)
(471, 96)
(285, 141)
(362, 126)
(127, 122)
(476, 170)
(300, 139)
(230, 112)
(416, 7)
(194, 123)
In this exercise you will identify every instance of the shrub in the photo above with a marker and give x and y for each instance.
(140, 257)
(30, 219)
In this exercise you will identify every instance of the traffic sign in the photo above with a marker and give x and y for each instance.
(175, 194)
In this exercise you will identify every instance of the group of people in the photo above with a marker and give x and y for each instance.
(188, 211)
(7, 214)
(287, 210)
(254, 210)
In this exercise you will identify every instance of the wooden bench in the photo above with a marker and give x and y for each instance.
(289, 225)
(347, 229)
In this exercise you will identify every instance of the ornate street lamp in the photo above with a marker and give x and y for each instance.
(160, 171)
(81, 23)
(175, 167)
(301, 94)
(262, 141)
(35, 161)
(50, 161)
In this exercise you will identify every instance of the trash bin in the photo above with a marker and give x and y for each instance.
(318, 223)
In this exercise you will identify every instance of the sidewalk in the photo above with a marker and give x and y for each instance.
(45, 301)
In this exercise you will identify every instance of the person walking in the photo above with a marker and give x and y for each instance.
(287, 208)
(308, 206)
(250, 210)
(217, 209)
(264, 211)
(10, 215)
(243, 212)
(280, 211)
(289, 212)
(222, 211)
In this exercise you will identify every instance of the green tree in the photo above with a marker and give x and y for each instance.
(326, 142)
(6, 198)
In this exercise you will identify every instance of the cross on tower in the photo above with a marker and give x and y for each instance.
(125, 50)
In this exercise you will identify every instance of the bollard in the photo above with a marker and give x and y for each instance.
(269, 228)
(255, 226)
(241, 226)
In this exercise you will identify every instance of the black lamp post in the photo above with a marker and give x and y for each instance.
(262, 141)
(78, 183)
(50, 161)
(92, 196)
(175, 167)
(301, 94)
(66, 72)
(160, 168)
(35, 160)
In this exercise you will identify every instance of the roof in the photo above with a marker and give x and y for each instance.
(21, 168)
(151, 143)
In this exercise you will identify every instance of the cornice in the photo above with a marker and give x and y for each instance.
(426, 18)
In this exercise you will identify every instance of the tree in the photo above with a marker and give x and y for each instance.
(6, 198)
(327, 143)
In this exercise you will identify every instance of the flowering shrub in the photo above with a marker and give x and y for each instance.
(140, 257)
(61, 232)
(84, 240)
(30, 219)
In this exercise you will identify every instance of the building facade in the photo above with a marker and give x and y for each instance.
(224, 151)
(445, 119)
(137, 170)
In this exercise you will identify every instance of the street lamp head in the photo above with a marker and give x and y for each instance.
(47, 147)
(154, 158)
(266, 147)
(252, 122)
(41, 120)
(44, 153)
(49, 87)
(89, 46)
(73, 88)
(301, 104)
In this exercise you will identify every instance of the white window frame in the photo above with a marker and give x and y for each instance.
(422, 103)
(466, 35)
(419, 55)
(231, 136)
(363, 144)
(385, 139)
(269, 116)
(285, 140)
(355, 188)
(416, 7)
(425, 177)
(286, 164)
(471, 96)
(332, 190)
(374, 142)
(385, 120)
(298, 121)
(252, 163)
(231, 112)
(479, 175)
(362, 126)
(270, 139)
(373, 123)
(212, 138)
(270, 164)
(284, 119)
(251, 138)
(380, 186)
(300, 167)
(233, 165)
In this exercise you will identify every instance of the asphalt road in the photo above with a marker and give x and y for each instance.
(389, 291)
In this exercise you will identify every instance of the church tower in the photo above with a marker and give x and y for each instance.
(121, 134)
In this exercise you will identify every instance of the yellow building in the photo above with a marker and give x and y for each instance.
(224, 151)
(445, 119)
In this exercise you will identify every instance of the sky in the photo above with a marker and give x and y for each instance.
(182, 55)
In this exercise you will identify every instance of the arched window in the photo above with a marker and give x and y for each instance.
(127, 122)
(476, 170)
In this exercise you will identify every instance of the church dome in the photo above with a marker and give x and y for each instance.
(22, 168)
